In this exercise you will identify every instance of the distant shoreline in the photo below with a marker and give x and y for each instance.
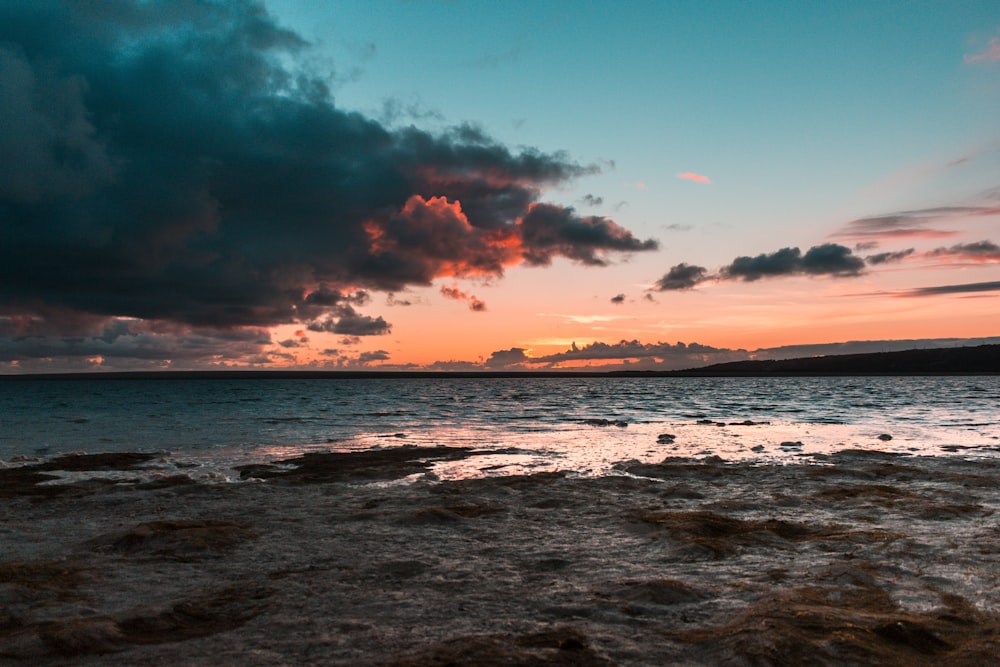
(978, 360)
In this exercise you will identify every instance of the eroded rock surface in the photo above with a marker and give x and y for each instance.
(860, 559)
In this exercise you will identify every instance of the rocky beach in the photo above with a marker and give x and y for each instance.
(857, 557)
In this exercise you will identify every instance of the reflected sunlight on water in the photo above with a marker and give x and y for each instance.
(532, 425)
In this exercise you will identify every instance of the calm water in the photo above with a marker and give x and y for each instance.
(532, 424)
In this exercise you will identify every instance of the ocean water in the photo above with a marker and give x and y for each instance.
(583, 425)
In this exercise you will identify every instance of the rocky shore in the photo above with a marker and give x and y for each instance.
(335, 559)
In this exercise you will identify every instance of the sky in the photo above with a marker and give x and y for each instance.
(453, 185)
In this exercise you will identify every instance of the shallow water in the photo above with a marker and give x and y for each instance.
(533, 424)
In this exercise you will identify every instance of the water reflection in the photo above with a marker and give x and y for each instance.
(548, 422)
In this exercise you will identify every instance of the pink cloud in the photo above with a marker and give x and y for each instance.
(991, 54)
(697, 178)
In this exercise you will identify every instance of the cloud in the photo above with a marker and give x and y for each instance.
(505, 358)
(588, 319)
(980, 251)
(180, 163)
(618, 299)
(678, 355)
(825, 259)
(697, 178)
(829, 259)
(453, 292)
(990, 54)
(937, 290)
(350, 323)
(633, 354)
(455, 366)
(912, 223)
(375, 355)
(391, 300)
(681, 277)
(591, 200)
(30, 344)
(547, 231)
(889, 257)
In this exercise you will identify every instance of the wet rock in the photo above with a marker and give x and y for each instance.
(29, 480)
(885, 437)
(41, 575)
(656, 591)
(719, 536)
(181, 539)
(561, 646)
(213, 612)
(370, 465)
(674, 467)
(947, 511)
(605, 422)
(84, 636)
(880, 494)
(449, 513)
(862, 625)
(549, 565)
(666, 439)
(25, 481)
(682, 492)
(91, 462)
(911, 635)
(402, 569)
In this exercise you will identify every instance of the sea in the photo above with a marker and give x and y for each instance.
(582, 425)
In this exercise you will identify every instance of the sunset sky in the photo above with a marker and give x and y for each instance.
(494, 185)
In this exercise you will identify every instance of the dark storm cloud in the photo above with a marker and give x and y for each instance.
(118, 343)
(825, 259)
(681, 277)
(548, 230)
(174, 165)
(889, 257)
(350, 323)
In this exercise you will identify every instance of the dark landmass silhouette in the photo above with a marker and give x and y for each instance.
(982, 359)
(978, 360)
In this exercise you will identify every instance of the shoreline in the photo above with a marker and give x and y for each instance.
(870, 558)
